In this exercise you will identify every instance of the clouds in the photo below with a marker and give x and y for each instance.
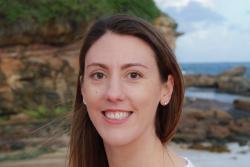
(194, 15)
(214, 30)
(216, 44)
(179, 4)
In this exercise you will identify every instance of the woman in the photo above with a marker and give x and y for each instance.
(129, 97)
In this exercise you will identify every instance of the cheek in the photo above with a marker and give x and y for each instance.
(145, 99)
(92, 94)
(147, 93)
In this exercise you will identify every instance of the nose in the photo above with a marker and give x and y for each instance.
(114, 92)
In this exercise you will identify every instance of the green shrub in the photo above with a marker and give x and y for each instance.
(26, 154)
(44, 113)
(41, 11)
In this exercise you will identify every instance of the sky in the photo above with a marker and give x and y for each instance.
(214, 30)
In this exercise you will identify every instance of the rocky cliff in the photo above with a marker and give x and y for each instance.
(58, 22)
(38, 64)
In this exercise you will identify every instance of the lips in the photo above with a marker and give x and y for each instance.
(116, 114)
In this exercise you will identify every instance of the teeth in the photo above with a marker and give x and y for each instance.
(116, 115)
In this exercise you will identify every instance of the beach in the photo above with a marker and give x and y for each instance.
(237, 157)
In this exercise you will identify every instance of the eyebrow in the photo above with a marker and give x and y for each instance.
(123, 66)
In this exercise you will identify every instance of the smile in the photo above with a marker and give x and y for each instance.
(116, 114)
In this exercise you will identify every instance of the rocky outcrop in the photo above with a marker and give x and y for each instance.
(236, 85)
(166, 25)
(242, 104)
(199, 80)
(45, 75)
(62, 32)
(37, 75)
(56, 32)
(234, 72)
(212, 125)
(232, 81)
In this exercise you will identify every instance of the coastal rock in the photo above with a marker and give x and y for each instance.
(6, 101)
(240, 127)
(206, 104)
(210, 147)
(55, 31)
(242, 104)
(191, 130)
(61, 24)
(41, 74)
(210, 114)
(166, 25)
(235, 85)
(234, 72)
(218, 131)
(9, 66)
(200, 80)
(231, 81)
(38, 75)
(199, 125)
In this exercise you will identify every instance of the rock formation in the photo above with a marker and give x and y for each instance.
(45, 75)
(242, 104)
(232, 81)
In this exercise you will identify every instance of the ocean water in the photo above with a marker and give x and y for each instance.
(212, 94)
(212, 68)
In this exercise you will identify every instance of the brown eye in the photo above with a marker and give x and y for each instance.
(134, 75)
(98, 76)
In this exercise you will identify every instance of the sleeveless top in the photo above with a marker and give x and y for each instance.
(189, 163)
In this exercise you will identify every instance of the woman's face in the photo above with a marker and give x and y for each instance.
(122, 88)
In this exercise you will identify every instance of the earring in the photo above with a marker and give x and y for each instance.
(165, 103)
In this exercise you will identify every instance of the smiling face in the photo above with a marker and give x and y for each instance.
(122, 88)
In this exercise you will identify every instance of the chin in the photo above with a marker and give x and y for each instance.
(118, 139)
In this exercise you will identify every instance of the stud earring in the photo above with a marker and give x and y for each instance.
(164, 103)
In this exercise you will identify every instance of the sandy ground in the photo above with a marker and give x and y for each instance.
(238, 157)
(56, 159)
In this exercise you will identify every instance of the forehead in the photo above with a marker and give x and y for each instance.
(115, 48)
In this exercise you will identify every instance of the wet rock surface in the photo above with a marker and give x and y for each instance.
(216, 123)
(242, 104)
(231, 81)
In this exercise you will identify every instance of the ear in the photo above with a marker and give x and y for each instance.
(167, 90)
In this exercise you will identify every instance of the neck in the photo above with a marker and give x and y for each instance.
(145, 151)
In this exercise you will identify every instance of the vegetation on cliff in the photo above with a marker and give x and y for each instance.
(75, 10)
(61, 21)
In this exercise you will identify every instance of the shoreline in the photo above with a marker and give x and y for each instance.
(209, 98)
(212, 94)
(237, 157)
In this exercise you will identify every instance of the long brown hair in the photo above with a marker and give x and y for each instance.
(86, 146)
